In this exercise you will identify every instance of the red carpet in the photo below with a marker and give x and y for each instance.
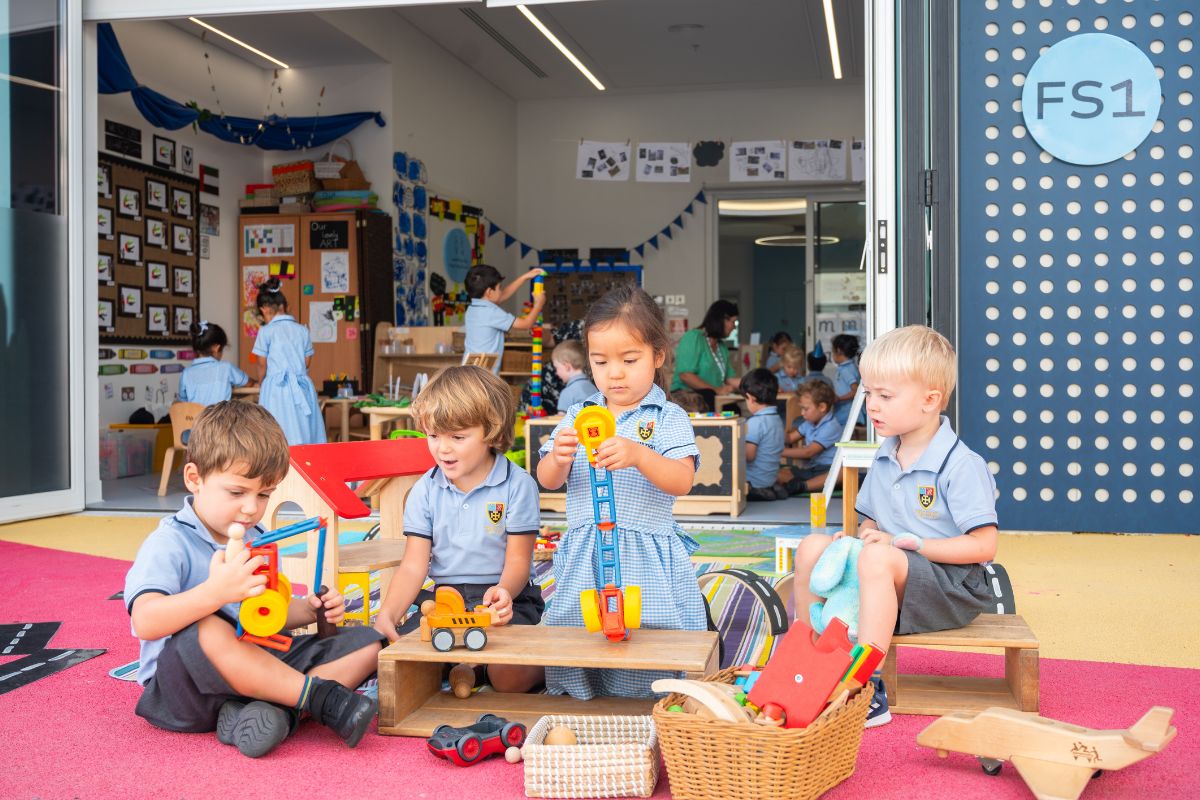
(74, 734)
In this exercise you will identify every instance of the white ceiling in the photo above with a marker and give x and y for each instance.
(626, 43)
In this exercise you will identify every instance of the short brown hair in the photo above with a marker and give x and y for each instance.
(631, 306)
(231, 433)
(463, 397)
(819, 392)
(792, 356)
(569, 352)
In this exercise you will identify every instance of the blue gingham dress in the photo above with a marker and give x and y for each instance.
(654, 550)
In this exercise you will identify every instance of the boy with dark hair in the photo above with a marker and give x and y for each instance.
(764, 433)
(182, 594)
(486, 322)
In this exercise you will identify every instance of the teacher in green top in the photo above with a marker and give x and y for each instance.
(702, 362)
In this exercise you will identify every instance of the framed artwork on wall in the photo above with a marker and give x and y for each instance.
(186, 162)
(156, 232)
(129, 249)
(183, 319)
(130, 301)
(104, 222)
(105, 314)
(184, 280)
(181, 239)
(156, 195)
(104, 268)
(157, 319)
(129, 202)
(104, 180)
(181, 203)
(164, 152)
(156, 276)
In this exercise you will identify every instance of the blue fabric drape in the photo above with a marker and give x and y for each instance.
(163, 112)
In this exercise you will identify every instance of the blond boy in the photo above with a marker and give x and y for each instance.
(569, 359)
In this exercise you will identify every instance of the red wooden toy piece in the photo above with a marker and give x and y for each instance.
(802, 672)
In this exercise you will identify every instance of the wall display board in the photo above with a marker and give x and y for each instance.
(571, 290)
(148, 266)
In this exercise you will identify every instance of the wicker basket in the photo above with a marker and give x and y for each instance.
(615, 757)
(713, 760)
(294, 178)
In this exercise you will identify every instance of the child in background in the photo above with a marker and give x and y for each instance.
(652, 459)
(845, 383)
(183, 597)
(208, 379)
(791, 362)
(778, 342)
(568, 359)
(928, 504)
(816, 366)
(764, 434)
(472, 520)
(486, 322)
(284, 349)
(814, 436)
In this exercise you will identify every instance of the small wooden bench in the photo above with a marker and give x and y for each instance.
(937, 695)
(412, 703)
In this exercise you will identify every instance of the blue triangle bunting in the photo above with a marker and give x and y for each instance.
(508, 241)
(700, 198)
(525, 249)
(678, 221)
(667, 232)
(653, 242)
(591, 262)
(688, 210)
(492, 228)
(641, 250)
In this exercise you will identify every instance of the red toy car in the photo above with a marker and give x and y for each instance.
(489, 736)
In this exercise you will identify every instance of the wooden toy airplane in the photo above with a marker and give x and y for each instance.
(1055, 759)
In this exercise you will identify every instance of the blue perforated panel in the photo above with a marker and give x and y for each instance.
(1078, 296)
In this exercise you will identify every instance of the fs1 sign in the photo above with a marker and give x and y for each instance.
(1090, 99)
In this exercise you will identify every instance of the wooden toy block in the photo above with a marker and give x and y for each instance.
(1056, 759)
(936, 695)
(411, 702)
(803, 672)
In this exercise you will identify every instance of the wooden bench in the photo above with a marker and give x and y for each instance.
(937, 695)
(412, 703)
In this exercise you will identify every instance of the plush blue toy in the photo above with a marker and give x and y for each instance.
(835, 577)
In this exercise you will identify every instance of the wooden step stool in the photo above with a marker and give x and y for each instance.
(412, 703)
(937, 695)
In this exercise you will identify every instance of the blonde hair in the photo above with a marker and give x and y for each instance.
(915, 352)
(792, 357)
(463, 397)
(232, 433)
(569, 352)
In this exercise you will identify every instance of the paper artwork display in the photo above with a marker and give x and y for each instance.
(817, 160)
(156, 319)
(181, 203)
(104, 314)
(761, 161)
(184, 280)
(104, 181)
(186, 162)
(130, 299)
(858, 160)
(156, 195)
(322, 328)
(156, 232)
(104, 268)
(210, 220)
(181, 239)
(164, 152)
(268, 240)
(253, 276)
(156, 275)
(183, 319)
(664, 162)
(129, 202)
(129, 249)
(602, 161)
(104, 222)
(205, 247)
(335, 272)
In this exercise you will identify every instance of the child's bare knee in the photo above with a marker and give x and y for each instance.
(814, 544)
(214, 633)
(876, 561)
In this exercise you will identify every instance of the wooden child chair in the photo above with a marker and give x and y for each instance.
(485, 360)
(183, 416)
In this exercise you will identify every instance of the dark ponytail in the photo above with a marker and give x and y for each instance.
(207, 335)
(632, 307)
(270, 295)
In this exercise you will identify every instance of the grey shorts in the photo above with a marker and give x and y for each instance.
(186, 691)
(527, 607)
(939, 597)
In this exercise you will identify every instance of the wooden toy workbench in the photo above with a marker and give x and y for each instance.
(411, 702)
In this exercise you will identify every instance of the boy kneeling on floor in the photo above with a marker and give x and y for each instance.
(183, 597)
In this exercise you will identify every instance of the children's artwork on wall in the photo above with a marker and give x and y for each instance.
(253, 276)
(181, 203)
(335, 272)
(664, 162)
(128, 394)
(104, 314)
(129, 202)
(602, 161)
(186, 163)
(164, 152)
(156, 319)
(758, 161)
(129, 249)
(181, 239)
(183, 281)
(209, 180)
(156, 195)
(817, 160)
(104, 268)
(156, 276)
(183, 319)
(104, 222)
(250, 322)
(156, 232)
(104, 181)
(322, 327)
(205, 247)
(268, 240)
(210, 220)
(130, 299)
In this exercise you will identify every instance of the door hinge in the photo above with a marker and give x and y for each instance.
(927, 179)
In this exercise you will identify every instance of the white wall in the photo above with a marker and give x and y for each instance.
(557, 210)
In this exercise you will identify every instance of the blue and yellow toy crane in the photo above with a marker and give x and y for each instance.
(609, 607)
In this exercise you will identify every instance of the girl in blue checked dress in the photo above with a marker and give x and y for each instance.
(653, 459)
(209, 380)
(284, 348)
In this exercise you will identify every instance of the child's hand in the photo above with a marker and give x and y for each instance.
(565, 445)
(386, 625)
(539, 300)
(873, 536)
(533, 273)
(235, 581)
(617, 452)
(498, 599)
(334, 605)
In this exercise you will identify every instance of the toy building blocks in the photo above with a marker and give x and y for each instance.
(489, 736)
(803, 672)
(446, 613)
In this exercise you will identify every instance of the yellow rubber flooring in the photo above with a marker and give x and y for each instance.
(1095, 597)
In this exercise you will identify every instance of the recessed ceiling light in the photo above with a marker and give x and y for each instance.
(562, 48)
(778, 207)
(685, 27)
(793, 240)
(236, 41)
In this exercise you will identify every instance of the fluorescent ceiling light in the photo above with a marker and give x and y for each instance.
(762, 208)
(562, 48)
(831, 30)
(793, 240)
(236, 41)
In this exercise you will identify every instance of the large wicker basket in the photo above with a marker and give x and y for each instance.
(713, 760)
(615, 757)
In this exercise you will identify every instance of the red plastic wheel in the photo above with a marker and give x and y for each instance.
(469, 747)
(513, 734)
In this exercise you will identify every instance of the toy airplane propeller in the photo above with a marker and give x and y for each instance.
(1055, 759)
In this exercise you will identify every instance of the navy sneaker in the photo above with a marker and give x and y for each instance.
(879, 714)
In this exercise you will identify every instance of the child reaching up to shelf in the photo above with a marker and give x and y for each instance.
(486, 322)
(653, 459)
(284, 349)
(209, 379)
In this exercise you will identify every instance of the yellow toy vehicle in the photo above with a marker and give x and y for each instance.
(446, 613)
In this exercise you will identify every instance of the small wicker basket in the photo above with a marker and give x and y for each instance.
(713, 760)
(615, 757)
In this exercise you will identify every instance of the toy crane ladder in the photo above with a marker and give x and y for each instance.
(609, 607)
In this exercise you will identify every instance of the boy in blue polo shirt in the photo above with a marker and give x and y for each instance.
(568, 360)
(471, 522)
(813, 437)
(486, 322)
(928, 503)
(764, 433)
(183, 594)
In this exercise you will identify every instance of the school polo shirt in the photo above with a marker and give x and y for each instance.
(826, 433)
(578, 389)
(172, 560)
(764, 429)
(486, 323)
(949, 491)
(468, 531)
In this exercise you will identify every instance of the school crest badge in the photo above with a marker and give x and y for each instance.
(646, 430)
(495, 512)
(926, 495)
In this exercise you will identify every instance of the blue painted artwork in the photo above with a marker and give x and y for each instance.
(456, 254)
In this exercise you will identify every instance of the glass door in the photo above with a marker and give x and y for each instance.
(839, 276)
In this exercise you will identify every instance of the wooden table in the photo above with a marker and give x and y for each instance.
(345, 404)
(406, 365)
(249, 393)
(377, 416)
(853, 456)
(411, 702)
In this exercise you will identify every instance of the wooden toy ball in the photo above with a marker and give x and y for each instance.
(561, 734)
(512, 755)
